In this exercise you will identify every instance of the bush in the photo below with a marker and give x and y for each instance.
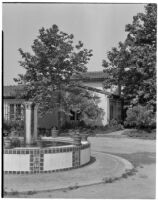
(79, 125)
(67, 125)
(18, 125)
(6, 126)
(141, 117)
(10, 126)
(15, 142)
(114, 124)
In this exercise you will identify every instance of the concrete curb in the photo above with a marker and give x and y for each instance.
(127, 166)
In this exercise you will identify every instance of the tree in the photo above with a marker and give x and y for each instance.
(83, 101)
(133, 63)
(49, 69)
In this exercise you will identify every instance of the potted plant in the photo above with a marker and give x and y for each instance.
(54, 131)
(7, 142)
(71, 132)
(84, 136)
(15, 142)
(77, 138)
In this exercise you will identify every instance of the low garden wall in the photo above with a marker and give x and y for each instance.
(30, 160)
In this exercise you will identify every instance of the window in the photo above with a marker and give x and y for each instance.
(18, 111)
(5, 111)
(15, 112)
(11, 111)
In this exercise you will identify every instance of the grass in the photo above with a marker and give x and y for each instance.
(126, 174)
(12, 193)
(16, 193)
(73, 187)
(31, 192)
(109, 180)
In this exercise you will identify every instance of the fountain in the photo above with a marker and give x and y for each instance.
(46, 155)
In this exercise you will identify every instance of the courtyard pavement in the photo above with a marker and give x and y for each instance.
(102, 166)
(139, 152)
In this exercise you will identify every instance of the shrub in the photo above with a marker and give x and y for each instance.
(114, 124)
(79, 125)
(15, 142)
(68, 125)
(18, 125)
(6, 126)
(141, 117)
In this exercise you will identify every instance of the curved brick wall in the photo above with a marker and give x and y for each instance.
(46, 160)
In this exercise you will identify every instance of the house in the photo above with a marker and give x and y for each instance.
(109, 101)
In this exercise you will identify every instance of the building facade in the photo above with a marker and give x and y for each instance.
(109, 101)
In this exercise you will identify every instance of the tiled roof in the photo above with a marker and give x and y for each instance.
(91, 76)
(11, 91)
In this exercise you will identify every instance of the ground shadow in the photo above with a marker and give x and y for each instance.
(92, 160)
(139, 158)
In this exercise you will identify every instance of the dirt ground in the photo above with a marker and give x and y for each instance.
(141, 153)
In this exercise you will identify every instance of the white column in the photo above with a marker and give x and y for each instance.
(35, 127)
(28, 120)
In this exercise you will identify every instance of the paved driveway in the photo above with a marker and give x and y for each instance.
(142, 185)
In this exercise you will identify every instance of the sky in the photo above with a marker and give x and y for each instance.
(99, 26)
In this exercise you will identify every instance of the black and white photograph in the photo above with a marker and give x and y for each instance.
(79, 100)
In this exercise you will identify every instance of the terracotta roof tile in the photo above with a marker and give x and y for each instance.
(95, 76)
(11, 91)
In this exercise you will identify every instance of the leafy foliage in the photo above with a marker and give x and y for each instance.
(83, 101)
(141, 117)
(52, 63)
(133, 63)
(49, 70)
(8, 125)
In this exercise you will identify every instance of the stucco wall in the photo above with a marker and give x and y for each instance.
(85, 156)
(17, 162)
(51, 119)
(103, 103)
(57, 161)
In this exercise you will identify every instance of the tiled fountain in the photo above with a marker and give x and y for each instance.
(29, 159)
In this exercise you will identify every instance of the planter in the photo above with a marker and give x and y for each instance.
(15, 142)
(39, 143)
(77, 139)
(13, 134)
(54, 133)
(84, 137)
(71, 133)
(7, 143)
(5, 133)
